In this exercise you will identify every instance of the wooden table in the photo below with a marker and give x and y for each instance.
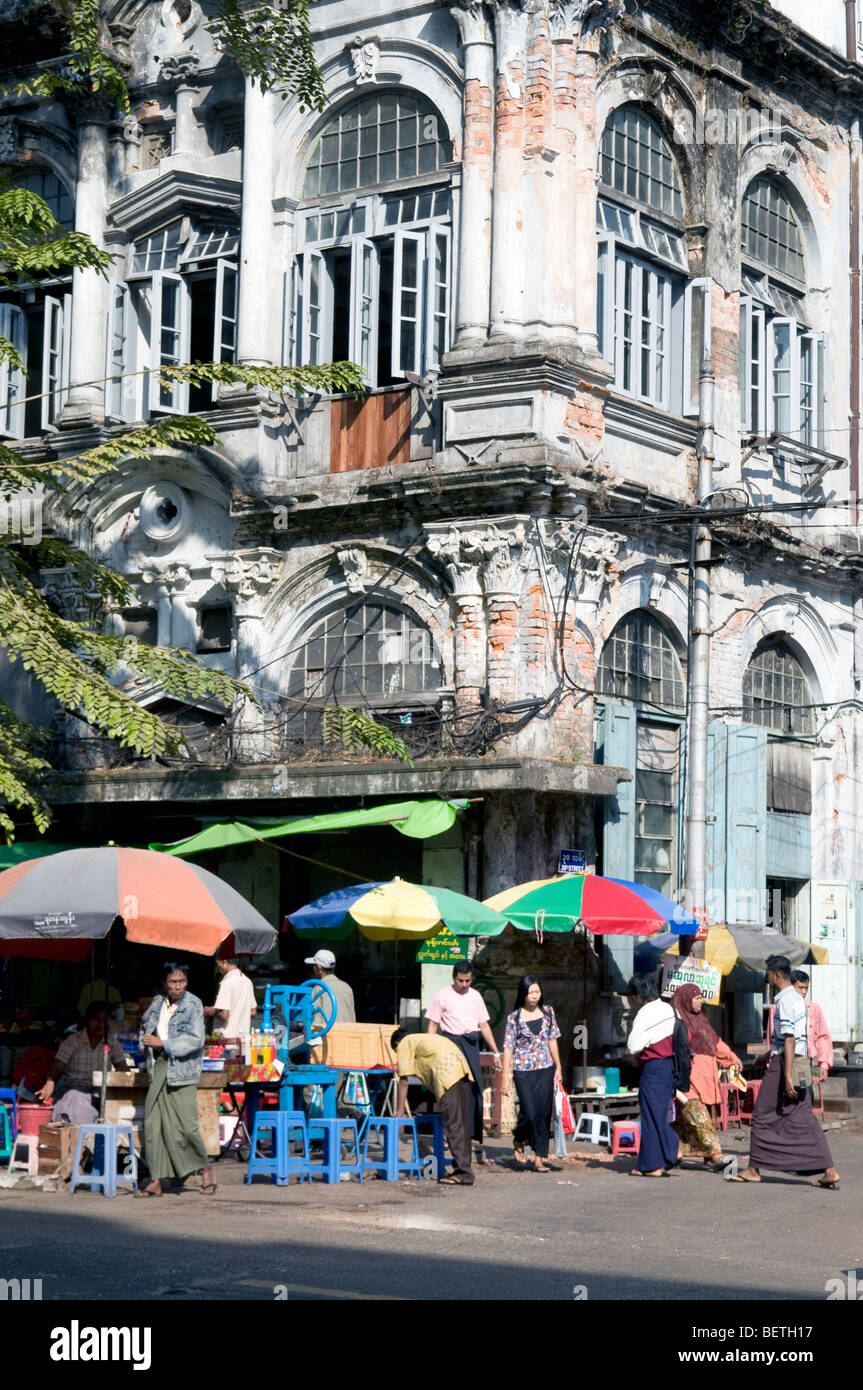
(126, 1096)
(616, 1107)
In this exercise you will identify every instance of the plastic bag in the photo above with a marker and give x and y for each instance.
(316, 1102)
(563, 1109)
(560, 1149)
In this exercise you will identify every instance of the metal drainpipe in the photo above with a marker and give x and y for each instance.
(854, 273)
(699, 673)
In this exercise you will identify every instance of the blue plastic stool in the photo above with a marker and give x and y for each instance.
(388, 1134)
(435, 1123)
(281, 1163)
(105, 1150)
(7, 1141)
(7, 1095)
(333, 1165)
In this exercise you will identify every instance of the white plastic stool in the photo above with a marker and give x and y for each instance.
(25, 1154)
(595, 1129)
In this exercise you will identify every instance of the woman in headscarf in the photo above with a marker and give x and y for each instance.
(696, 1121)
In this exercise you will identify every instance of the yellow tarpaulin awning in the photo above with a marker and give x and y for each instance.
(751, 945)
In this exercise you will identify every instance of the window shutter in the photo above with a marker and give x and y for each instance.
(437, 296)
(821, 390)
(225, 318)
(717, 752)
(408, 283)
(618, 847)
(52, 361)
(313, 309)
(605, 297)
(169, 339)
(696, 340)
(364, 308)
(783, 366)
(746, 823)
(120, 391)
(13, 325)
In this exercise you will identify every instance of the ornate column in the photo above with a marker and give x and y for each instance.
(507, 243)
(506, 560)
(450, 543)
(248, 576)
(182, 69)
(85, 403)
(258, 325)
(474, 282)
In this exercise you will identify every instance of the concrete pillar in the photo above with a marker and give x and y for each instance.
(583, 221)
(474, 284)
(258, 324)
(508, 251)
(85, 403)
(470, 640)
(560, 279)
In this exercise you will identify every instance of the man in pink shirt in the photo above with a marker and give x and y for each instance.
(458, 1013)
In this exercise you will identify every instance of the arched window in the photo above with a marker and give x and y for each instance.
(373, 273)
(776, 691)
(384, 137)
(782, 361)
(636, 159)
(374, 654)
(652, 323)
(639, 663)
(49, 188)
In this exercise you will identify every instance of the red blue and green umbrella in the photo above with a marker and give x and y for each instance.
(606, 906)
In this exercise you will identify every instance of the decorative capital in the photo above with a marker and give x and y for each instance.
(574, 19)
(365, 56)
(247, 573)
(68, 597)
(470, 16)
(595, 552)
(355, 568)
(181, 67)
(488, 557)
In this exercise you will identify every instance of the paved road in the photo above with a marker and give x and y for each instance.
(587, 1229)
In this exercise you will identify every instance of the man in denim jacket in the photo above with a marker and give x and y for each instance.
(173, 1029)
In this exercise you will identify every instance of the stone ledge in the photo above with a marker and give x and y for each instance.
(441, 777)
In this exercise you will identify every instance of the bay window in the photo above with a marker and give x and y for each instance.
(178, 304)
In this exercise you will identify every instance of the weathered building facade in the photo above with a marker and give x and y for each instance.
(585, 255)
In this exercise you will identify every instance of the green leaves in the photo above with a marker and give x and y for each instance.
(34, 246)
(288, 381)
(272, 46)
(356, 731)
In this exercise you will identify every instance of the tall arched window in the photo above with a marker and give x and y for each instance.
(373, 268)
(652, 322)
(776, 692)
(639, 664)
(782, 361)
(373, 656)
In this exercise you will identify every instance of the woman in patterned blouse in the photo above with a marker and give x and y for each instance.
(530, 1054)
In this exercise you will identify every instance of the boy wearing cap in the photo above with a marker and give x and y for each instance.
(324, 965)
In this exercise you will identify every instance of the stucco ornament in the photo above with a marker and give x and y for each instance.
(593, 553)
(365, 56)
(68, 596)
(181, 67)
(571, 18)
(8, 138)
(355, 568)
(247, 572)
(181, 18)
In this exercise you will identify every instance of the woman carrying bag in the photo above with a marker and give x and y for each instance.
(696, 1119)
(531, 1055)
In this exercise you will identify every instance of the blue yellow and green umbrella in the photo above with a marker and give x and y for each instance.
(395, 911)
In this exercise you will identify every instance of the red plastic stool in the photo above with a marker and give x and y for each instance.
(727, 1114)
(622, 1130)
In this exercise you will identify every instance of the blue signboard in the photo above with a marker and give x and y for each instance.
(572, 861)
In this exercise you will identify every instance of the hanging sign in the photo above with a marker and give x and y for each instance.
(443, 949)
(690, 971)
(572, 861)
(700, 915)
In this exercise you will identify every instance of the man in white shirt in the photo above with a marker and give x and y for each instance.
(235, 1001)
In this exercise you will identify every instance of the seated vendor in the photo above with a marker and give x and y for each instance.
(78, 1057)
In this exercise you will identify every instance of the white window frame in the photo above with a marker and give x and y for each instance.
(56, 329)
(659, 285)
(13, 325)
(323, 338)
(121, 384)
(179, 404)
(224, 337)
(365, 257)
(399, 366)
(701, 287)
(433, 314)
(751, 370)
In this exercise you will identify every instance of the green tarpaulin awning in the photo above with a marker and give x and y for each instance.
(30, 849)
(419, 819)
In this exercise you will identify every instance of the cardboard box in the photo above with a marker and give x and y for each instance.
(360, 1045)
(56, 1149)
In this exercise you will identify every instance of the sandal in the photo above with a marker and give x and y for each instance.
(452, 1181)
(541, 1168)
(146, 1192)
(208, 1189)
(518, 1155)
(640, 1173)
(825, 1182)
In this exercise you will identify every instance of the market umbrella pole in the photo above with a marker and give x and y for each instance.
(584, 1015)
(105, 1047)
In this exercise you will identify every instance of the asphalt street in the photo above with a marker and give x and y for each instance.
(587, 1230)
